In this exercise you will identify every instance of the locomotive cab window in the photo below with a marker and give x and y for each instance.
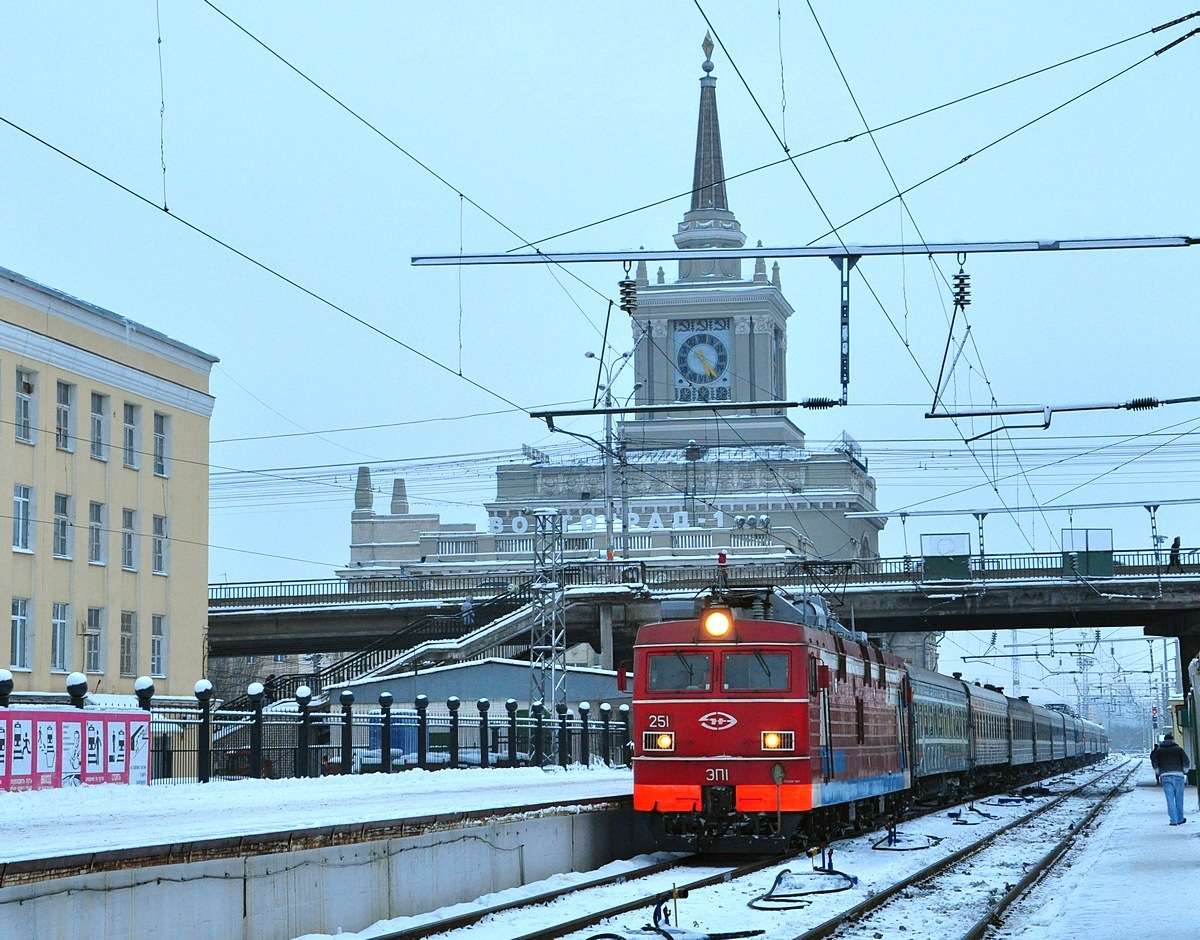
(743, 672)
(680, 672)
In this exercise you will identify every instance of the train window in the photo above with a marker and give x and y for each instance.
(680, 672)
(746, 671)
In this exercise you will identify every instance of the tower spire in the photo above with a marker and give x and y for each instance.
(709, 223)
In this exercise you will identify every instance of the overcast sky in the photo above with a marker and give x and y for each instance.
(551, 115)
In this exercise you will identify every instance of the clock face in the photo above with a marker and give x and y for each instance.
(702, 359)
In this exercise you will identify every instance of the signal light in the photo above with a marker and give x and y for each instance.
(658, 740)
(717, 622)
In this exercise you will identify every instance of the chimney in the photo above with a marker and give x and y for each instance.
(399, 497)
(363, 498)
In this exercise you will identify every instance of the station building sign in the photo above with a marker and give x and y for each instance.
(48, 748)
(591, 522)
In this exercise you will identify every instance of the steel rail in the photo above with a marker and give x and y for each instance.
(590, 920)
(873, 903)
(992, 917)
(473, 917)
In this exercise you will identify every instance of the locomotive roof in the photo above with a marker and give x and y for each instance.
(687, 633)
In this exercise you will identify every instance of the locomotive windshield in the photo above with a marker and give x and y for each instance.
(677, 672)
(757, 671)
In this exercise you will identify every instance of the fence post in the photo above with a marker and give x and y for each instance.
(385, 731)
(539, 754)
(143, 688)
(77, 688)
(303, 697)
(422, 703)
(606, 732)
(626, 740)
(564, 735)
(585, 743)
(255, 692)
(203, 691)
(6, 687)
(511, 707)
(485, 736)
(347, 699)
(453, 704)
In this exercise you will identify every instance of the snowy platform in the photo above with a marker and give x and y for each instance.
(53, 825)
(1134, 876)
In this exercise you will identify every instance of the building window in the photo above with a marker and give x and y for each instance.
(62, 526)
(280, 657)
(22, 517)
(99, 426)
(158, 545)
(25, 417)
(128, 643)
(158, 645)
(161, 429)
(19, 658)
(129, 437)
(128, 540)
(96, 533)
(94, 640)
(60, 621)
(63, 438)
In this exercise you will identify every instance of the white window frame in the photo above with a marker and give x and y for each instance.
(64, 416)
(158, 645)
(20, 640)
(61, 528)
(96, 539)
(129, 559)
(162, 438)
(129, 638)
(158, 546)
(93, 655)
(25, 408)
(130, 419)
(99, 427)
(60, 637)
(22, 521)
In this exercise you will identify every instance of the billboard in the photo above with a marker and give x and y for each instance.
(44, 748)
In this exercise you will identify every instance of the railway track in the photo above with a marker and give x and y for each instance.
(863, 920)
(658, 889)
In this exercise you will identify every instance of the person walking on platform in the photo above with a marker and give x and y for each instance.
(1170, 763)
(468, 612)
(1173, 562)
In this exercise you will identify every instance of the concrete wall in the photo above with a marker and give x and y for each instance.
(320, 890)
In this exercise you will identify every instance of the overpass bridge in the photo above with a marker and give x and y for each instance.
(1138, 588)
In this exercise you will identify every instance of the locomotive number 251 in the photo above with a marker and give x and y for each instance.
(660, 721)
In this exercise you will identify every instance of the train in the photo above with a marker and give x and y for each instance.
(760, 723)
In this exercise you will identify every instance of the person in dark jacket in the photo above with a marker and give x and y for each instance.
(1170, 763)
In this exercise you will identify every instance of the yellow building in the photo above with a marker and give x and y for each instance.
(104, 451)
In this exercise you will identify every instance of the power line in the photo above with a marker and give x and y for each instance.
(262, 265)
(854, 136)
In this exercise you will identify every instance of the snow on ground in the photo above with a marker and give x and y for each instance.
(48, 823)
(1133, 876)
(511, 894)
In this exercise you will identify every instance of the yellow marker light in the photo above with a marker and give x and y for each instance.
(779, 740)
(772, 740)
(717, 622)
(665, 741)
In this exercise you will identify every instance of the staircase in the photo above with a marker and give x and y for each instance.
(390, 651)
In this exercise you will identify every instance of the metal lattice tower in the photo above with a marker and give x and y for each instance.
(548, 636)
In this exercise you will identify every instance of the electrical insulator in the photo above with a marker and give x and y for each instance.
(628, 293)
(962, 289)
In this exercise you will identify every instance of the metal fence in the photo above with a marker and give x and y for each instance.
(288, 739)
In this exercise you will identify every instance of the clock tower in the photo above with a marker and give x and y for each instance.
(710, 335)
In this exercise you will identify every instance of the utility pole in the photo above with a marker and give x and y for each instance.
(608, 472)
(624, 504)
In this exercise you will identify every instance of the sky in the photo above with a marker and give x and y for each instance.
(551, 115)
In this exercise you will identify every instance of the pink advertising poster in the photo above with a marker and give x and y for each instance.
(67, 747)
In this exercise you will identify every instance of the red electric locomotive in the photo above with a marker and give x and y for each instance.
(762, 734)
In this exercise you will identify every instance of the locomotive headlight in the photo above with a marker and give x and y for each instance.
(779, 740)
(717, 622)
(658, 740)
